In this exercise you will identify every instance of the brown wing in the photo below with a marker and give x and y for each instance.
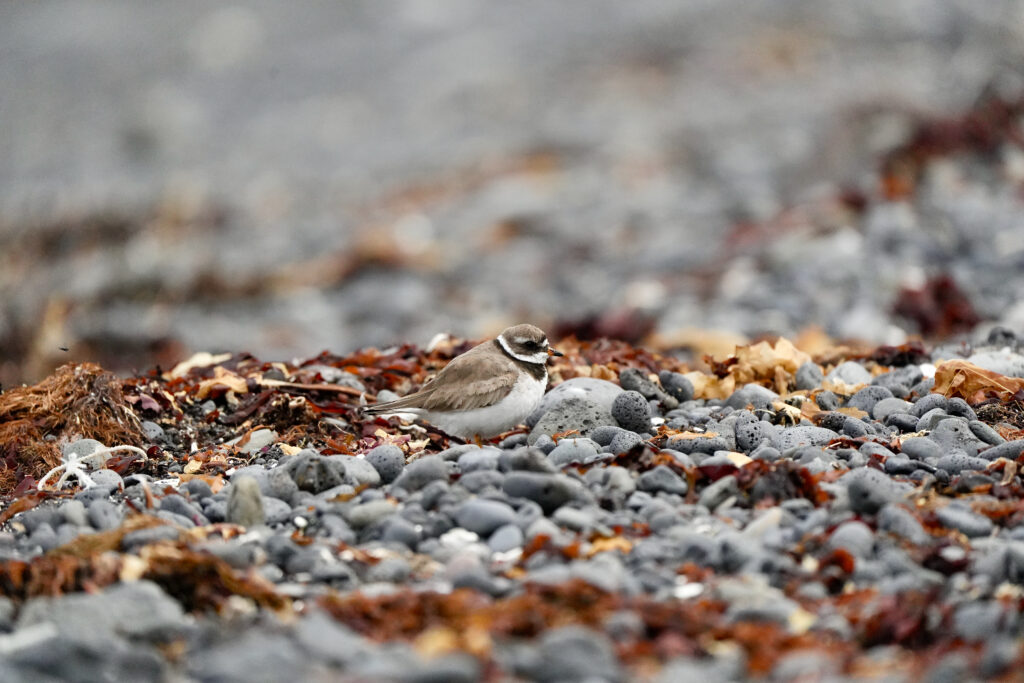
(454, 389)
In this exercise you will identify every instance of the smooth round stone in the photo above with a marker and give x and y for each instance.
(985, 432)
(718, 492)
(391, 570)
(885, 407)
(661, 478)
(632, 411)
(761, 398)
(73, 512)
(955, 433)
(958, 461)
(677, 385)
(921, 448)
(527, 459)
(483, 516)
(808, 376)
(276, 511)
(479, 459)
(550, 491)
(400, 530)
(869, 490)
(929, 402)
(904, 422)
(365, 514)
(152, 430)
(357, 471)
(900, 464)
(1010, 450)
(80, 448)
(965, 520)
(898, 520)
(419, 473)
(576, 653)
(278, 483)
(932, 418)
(505, 538)
(826, 400)
(849, 372)
(481, 480)
(854, 537)
(388, 460)
(104, 515)
(570, 451)
(854, 428)
(959, 407)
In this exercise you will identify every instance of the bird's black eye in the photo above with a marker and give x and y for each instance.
(532, 345)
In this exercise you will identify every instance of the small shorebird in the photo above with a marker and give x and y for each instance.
(485, 391)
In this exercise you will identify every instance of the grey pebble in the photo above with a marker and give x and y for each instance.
(755, 395)
(929, 402)
(898, 520)
(550, 491)
(573, 451)
(581, 415)
(479, 459)
(632, 411)
(505, 538)
(955, 433)
(808, 376)
(826, 400)
(634, 379)
(624, 441)
(965, 520)
(245, 503)
(921, 448)
(886, 407)
(718, 492)
(483, 516)
(677, 385)
(866, 398)
(1008, 449)
(869, 490)
(854, 537)
(421, 472)
(599, 391)
(849, 372)
(661, 478)
(803, 436)
(388, 460)
(104, 515)
(276, 511)
(365, 514)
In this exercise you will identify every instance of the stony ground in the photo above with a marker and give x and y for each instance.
(848, 516)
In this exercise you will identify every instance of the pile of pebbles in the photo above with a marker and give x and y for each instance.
(827, 532)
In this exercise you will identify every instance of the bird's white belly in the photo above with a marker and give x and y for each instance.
(502, 416)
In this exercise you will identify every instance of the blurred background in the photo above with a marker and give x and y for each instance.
(286, 178)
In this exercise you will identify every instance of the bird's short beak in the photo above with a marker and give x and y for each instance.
(554, 352)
